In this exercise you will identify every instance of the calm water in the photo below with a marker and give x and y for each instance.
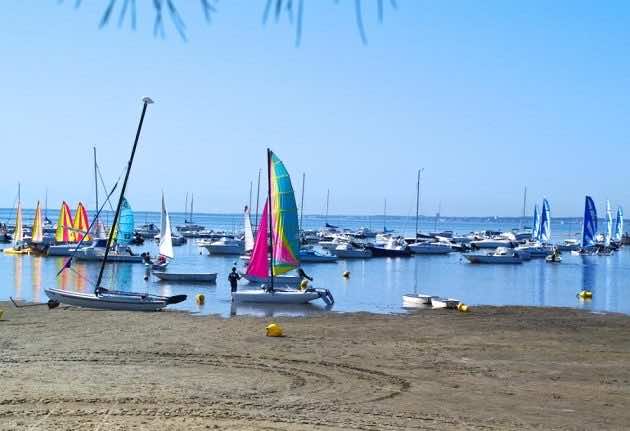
(375, 285)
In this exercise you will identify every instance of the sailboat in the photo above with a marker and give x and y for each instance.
(64, 234)
(609, 225)
(18, 245)
(166, 240)
(589, 228)
(80, 223)
(37, 233)
(103, 298)
(278, 228)
(619, 227)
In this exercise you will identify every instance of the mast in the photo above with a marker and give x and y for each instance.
(327, 201)
(269, 213)
(251, 185)
(385, 216)
(302, 200)
(418, 200)
(186, 209)
(146, 101)
(95, 180)
(524, 205)
(437, 216)
(257, 200)
(46, 205)
(192, 198)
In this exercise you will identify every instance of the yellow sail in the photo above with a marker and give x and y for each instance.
(37, 232)
(18, 235)
(64, 233)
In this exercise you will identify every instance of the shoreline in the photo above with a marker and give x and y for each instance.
(492, 368)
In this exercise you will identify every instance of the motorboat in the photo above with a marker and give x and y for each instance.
(113, 300)
(309, 254)
(148, 230)
(536, 249)
(352, 251)
(96, 252)
(176, 239)
(282, 295)
(393, 248)
(569, 245)
(200, 277)
(427, 247)
(331, 244)
(500, 255)
(226, 246)
(493, 243)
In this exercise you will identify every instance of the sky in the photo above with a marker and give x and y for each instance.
(488, 97)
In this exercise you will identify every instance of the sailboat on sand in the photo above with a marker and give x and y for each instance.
(278, 237)
(103, 298)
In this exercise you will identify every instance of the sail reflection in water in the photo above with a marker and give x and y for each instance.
(36, 277)
(17, 276)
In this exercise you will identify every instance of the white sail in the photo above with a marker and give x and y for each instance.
(609, 222)
(18, 234)
(619, 225)
(166, 241)
(100, 230)
(249, 233)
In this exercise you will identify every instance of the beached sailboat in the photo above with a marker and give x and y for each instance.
(18, 244)
(103, 298)
(278, 227)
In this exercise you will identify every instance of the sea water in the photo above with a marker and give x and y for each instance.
(374, 285)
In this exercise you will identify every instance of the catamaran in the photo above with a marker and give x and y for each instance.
(64, 235)
(103, 298)
(589, 229)
(540, 245)
(278, 227)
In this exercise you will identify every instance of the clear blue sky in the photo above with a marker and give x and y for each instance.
(487, 96)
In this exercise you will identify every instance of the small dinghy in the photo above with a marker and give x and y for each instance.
(416, 300)
(553, 259)
(182, 277)
(450, 303)
(113, 300)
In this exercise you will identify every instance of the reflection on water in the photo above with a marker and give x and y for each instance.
(374, 285)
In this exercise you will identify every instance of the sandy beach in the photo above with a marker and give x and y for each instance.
(493, 368)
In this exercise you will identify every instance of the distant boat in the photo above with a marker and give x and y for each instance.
(37, 232)
(202, 277)
(18, 244)
(166, 239)
(589, 224)
(349, 250)
(609, 225)
(501, 255)
(80, 224)
(619, 225)
(278, 227)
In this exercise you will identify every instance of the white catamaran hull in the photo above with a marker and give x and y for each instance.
(62, 250)
(204, 277)
(108, 301)
(282, 296)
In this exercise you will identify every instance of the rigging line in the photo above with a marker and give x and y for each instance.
(82, 276)
(100, 176)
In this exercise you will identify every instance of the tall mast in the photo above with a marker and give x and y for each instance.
(418, 200)
(302, 200)
(46, 205)
(437, 216)
(251, 186)
(269, 211)
(257, 200)
(186, 209)
(146, 101)
(192, 199)
(384, 216)
(524, 204)
(327, 202)
(95, 180)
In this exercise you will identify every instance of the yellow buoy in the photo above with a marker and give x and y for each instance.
(346, 274)
(585, 294)
(304, 284)
(200, 299)
(274, 330)
(463, 308)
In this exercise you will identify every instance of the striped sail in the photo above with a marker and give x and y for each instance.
(609, 224)
(64, 233)
(37, 231)
(619, 225)
(536, 229)
(589, 225)
(124, 231)
(80, 224)
(284, 218)
(545, 222)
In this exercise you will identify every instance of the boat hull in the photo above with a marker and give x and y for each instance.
(62, 250)
(206, 277)
(475, 258)
(389, 252)
(430, 249)
(279, 296)
(107, 301)
(224, 249)
(353, 254)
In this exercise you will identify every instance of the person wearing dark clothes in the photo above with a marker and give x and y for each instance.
(303, 275)
(233, 278)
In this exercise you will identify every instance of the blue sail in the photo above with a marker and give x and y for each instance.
(545, 222)
(124, 234)
(536, 229)
(619, 225)
(589, 226)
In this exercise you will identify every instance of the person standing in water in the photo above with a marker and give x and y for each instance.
(234, 277)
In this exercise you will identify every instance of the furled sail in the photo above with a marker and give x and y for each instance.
(619, 225)
(284, 218)
(536, 229)
(37, 231)
(545, 222)
(124, 231)
(259, 264)
(80, 224)
(249, 234)
(166, 239)
(64, 233)
(589, 226)
(609, 224)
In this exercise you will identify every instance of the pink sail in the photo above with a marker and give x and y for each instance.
(259, 263)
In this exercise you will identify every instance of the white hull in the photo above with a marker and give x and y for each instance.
(207, 277)
(224, 249)
(479, 258)
(430, 248)
(284, 296)
(414, 300)
(62, 250)
(281, 280)
(309, 258)
(353, 253)
(491, 243)
(107, 301)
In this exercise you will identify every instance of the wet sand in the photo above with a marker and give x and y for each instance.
(494, 368)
